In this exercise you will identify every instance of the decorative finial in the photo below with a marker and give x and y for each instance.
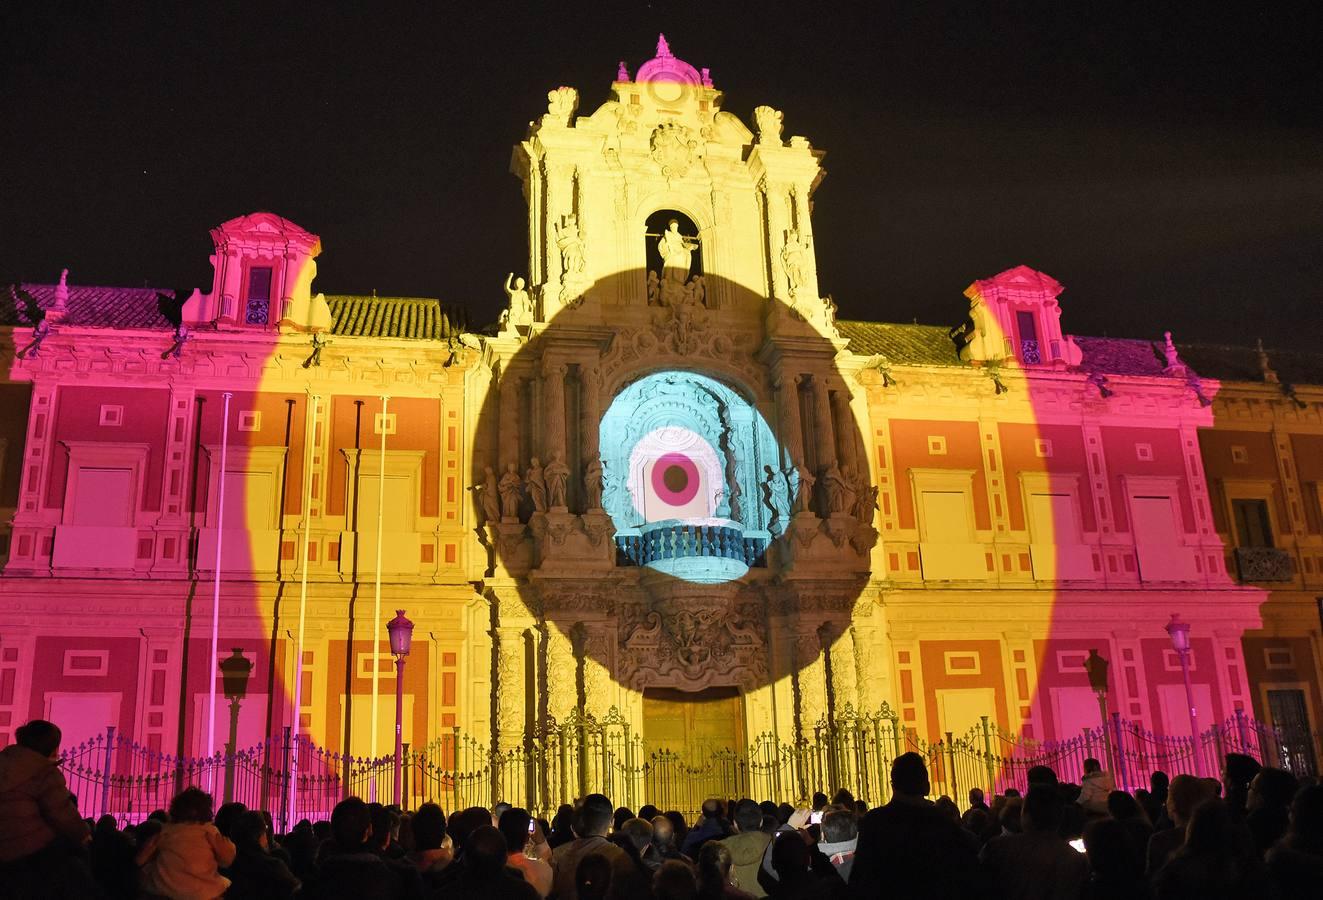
(61, 295)
(1174, 366)
(706, 75)
(1269, 376)
(663, 48)
(622, 73)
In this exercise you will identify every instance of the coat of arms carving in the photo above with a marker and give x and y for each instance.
(674, 149)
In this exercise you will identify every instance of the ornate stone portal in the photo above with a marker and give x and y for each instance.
(677, 558)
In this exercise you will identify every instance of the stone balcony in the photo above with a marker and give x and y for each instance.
(695, 552)
(1264, 564)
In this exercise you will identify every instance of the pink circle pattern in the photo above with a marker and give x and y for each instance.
(685, 464)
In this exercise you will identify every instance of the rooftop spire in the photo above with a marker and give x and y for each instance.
(663, 48)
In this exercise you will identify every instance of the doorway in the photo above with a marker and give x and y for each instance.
(694, 724)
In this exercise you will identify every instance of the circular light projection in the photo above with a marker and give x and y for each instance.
(675, 478)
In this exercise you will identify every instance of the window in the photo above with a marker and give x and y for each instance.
(1253, 526)
(936, 445)
(104, 497)
(1028, 328)
(250, 420)
(258, 309)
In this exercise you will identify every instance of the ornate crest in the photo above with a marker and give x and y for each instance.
(692, 644)
(674, 149)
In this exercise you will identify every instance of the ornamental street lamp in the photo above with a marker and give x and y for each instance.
(1096, 667)
(1180, 641)
(235, 671)
(401, 638)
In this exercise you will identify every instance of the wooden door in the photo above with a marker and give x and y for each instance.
(694, 724)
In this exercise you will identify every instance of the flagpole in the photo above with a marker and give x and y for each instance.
(376, 606)
(309, 439)
(215, 594)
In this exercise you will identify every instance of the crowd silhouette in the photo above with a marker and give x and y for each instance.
(1255, 832)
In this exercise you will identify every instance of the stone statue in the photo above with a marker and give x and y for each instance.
(592, 482)
(570, 244)
(512, 489)
(804, 495)
(794, 259)
(489, 495)
(768, 121)
(520, 310)
(654, 289)
(562, 102)
(768, 488)
(677, 253)
(536, 484)
(733, 497)
(556, 474)
(865, 503)
(840, 496)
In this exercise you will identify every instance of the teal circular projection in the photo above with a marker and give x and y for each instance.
(692, 477)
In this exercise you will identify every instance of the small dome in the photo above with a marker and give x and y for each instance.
(665, 67)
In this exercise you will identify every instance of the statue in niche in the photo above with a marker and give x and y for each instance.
(520, 308)
(677, 252)
(512, 490)
(570, 244)
(556, 474)
(794, 259)
(768, 488)
(865, 503)
(837, 490)
(768, 121)
(733, 497)
(489, 496)
(536, 484)
(804, 495)
(592, 482)
(654, 289)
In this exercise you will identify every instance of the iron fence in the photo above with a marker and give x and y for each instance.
(293, 778)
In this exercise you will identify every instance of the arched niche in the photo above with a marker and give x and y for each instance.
(670, 228)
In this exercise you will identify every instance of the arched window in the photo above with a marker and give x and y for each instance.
(675, 257)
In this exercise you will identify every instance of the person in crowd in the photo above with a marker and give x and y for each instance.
(663, 841)
(792, 860)
(1268, 807)
(462, 825)
(348, 867)
(1184, 794)
(636, 840)
(680, 827)
(561, 832)
(430, 855)
(185, 858)
(1094, 788)
(1296, 863)
(112, 860)
(1114, 871)
(255, 874)
(843, 798)
(483, 872)
(840, 837)
(976, 800)
(1038, 863)
(907, 848)
(1238, 770)
(226, 815)
(1212, 865)
(820, 801)
(499, 810)
(386, 832)
(715, 877)
(1126, 810)
(1041, 776)
(648, 812)
(747, 847)
(526, 849)
(674, 880)
(622, 815)
(592, 878)
(592, 819)
(1155, 803)
(41, 833)
(712, 826)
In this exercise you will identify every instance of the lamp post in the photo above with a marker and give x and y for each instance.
(235, 671)
(1096, 667)
(1180, 641)
(401, 638)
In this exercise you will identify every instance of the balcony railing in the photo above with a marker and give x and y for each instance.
(1264, 564)
(672, 546)
(1029, 352)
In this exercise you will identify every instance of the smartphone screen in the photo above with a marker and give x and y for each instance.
(1078, 844)
(815, 818)
(532, 823)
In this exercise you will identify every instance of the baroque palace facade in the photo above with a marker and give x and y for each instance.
(668, 481)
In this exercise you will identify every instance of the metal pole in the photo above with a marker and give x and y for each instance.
(399, 718)
(376, 603)
(230, 749)
(215, 594)
(1194, 715)
(105, 770)
(309, 437)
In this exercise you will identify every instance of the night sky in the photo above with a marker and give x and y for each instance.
(1165, 165)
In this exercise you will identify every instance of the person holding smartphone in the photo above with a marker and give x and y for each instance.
(528, 848)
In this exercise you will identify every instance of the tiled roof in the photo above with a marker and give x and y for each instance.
(1242, 363)
(916, 345)
(1120, 356)
(419, 318)
(95, 307)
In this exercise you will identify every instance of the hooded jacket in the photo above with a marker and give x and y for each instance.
(35, 806)
(1094, 788)
(746, 853)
